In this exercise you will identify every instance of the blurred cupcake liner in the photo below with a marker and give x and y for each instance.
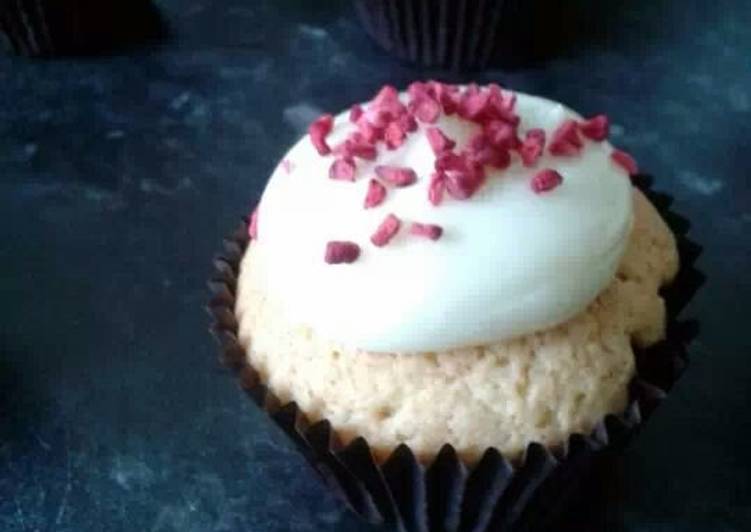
(461, 33)
(447, 494)
(45, 28)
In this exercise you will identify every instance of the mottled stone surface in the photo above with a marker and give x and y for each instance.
(120, 174)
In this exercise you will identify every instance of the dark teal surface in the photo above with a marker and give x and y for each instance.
(120, 174)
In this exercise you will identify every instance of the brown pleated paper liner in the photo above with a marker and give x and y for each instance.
(447, 494)
(461, 34)
(47, 28)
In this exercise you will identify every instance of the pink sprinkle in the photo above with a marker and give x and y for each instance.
(546, 180)
(501, 134)
(447, 95)
(482, 152)
(473, 104)
(431, 231)
(624, 160)
(386, 231)
(418, 89)
(436, 188)
(376, 194)
(566, 139)
(288, 166)
(355, 146)
(318, 132)
(343, 170)
(426, 109)
(369, 132)
(596, 128)
(355, 112)
(393, 136)
(253, 227)
(380, 118)
(397, 176)
(439, 141)
(338, 252)
(386, 95)
(407, 122)
(463, 178)
(532, 147)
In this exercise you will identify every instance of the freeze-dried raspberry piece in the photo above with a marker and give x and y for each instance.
(438, 140)
(355, 112)
(376, 194)
(436, 188)
(596, 128)
(546, 180)
(482, 152)
(533, 146)
(395, 175)
(393, 136)
(253, 226)
(318, 132)
(425, 109)
(462, 177)
(431, 231)
(386, 231)
(625, 161)
(566, 139)
(343, 170)
(341, 252)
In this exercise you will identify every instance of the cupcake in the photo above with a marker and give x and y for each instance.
(461, 34)
(44, 28)
(445, 287)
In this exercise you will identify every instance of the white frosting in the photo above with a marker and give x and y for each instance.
(510, 261)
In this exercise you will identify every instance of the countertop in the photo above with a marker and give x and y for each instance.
(119, 175)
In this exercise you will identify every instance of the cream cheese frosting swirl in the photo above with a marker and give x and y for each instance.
(509, 262)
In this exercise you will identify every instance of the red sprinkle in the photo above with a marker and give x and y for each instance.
(342, 169)
(338, 252)
(624, 160)
(355, 112)
(532, 147)
(546, 180)
(436, 188)
(376, 194)
(566, 139)
(596, 128)
(438, 141)
(318, 132)
(394, 136)
(253, 227)
(433, 232)
(386, 231)
(397, 176)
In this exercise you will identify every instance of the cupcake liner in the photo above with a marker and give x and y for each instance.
(459, 33)
(44, 28)
(447, 494)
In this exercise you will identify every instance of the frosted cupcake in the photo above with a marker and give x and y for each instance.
(452, 268)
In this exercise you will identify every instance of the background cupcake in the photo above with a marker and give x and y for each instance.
(465, 34)
(70, 27)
